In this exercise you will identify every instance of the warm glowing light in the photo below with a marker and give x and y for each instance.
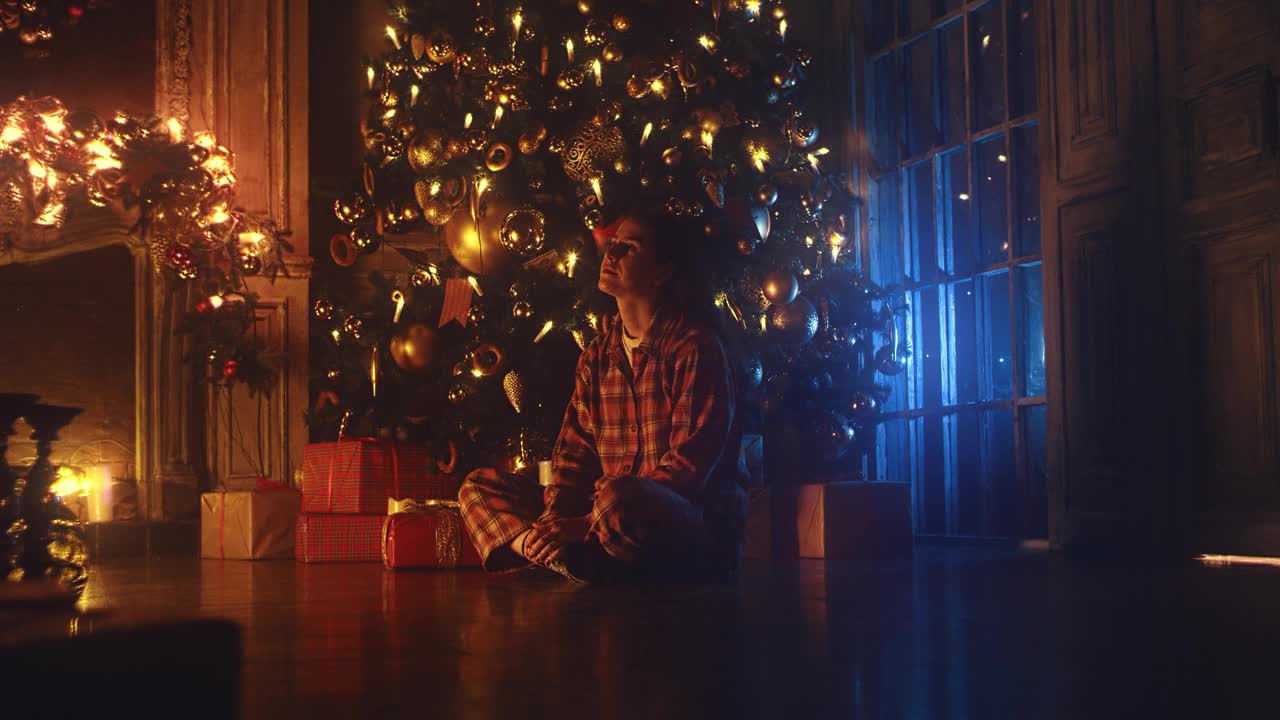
(963, 196)
(598, 69)
(251, 238)
(517, 21)
(837, 242)
(220, 168)
(568, 48)
(763, 324)
(413, 94)
(390, 113)
(595, 187)
(807, 272)
(52, 215)
(708, 139)
(176, 131)
(215, 301)
(466, 122)
(753, 7)
(482, 186)
(593, 321)
(759, 156)
(397, 297)
(497, 115)
(813, 162)
(644, 136)
(808, 241)
(11, 134)
(204, 139)
(986, 40)
(71, 481)
(474, 283)
(337, 335)
(53, 122)
(546, 328)
(1002, 158)
(394, 36)
(1228, 560)
(518, 462)
(658, 86)
(37, 169)
(782, 29)
(371, 75)
(218, 215)
(705, 42)
(570, 262)
(373, 369)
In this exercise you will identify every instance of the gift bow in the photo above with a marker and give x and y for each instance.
(448, 528)
(409, 505)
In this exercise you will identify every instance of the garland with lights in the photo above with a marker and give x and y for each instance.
(34, 21)
(515, 136)
(182, 187)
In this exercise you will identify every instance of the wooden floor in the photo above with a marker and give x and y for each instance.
(954, 633)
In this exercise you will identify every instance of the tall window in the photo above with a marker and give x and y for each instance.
(954, 223)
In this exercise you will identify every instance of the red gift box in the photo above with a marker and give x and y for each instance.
(430, 537)
(330, 537)
(358, 475)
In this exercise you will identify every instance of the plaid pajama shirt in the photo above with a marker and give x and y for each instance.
(658, 433)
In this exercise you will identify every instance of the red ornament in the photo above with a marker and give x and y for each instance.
(229, 369)
(602, 235)
(203, 305)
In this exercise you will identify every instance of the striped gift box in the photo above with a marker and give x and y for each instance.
(358, 475)
(330, 537)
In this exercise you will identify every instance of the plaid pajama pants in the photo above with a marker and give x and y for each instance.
(639, 522)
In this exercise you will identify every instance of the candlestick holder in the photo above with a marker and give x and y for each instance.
(51, 544)
(12, 407)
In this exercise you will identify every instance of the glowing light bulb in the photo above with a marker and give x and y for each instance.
(759, 156)
(475, 285)
(413, 94)
(708, 139)
(782, 29)
(568, 48)
(598, 69)
(644, 136)
(595, 187)
(215, 301)
(11, 134)
(466, 122)
(517, 21)
(546, 328)
(397, 297)
(394, 36)
(753, 8)
(371, 74)
(570, 262)
(497, 115)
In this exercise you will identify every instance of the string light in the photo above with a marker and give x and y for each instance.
(546, 328)
(568, 48)
(371, 74)
(395, 37)
(570, 262)
(644, 136)
(413, 94)
(782, 29)
(475, 285)
(215, 301)
(397, 297)
(598, 69)
(595, 187)
(708, 139)
(466, 122)
(497, 116)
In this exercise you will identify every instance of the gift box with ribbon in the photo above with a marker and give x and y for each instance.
(249, 524)
(426, 534)
(333, 537)
(358, 475)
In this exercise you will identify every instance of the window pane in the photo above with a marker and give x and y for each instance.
(927, 347)
(968, 476)
(879, 17)
(951, 82)
(1035, 440)
(1001, 472)
(954, 201)
(963, 377)
(1026, 183)
(1031, 314)
(991, 162)
(996, 369)
(893, 451)
(918, 15)
(921, 229)
(921, 133)
(1022, 57)
(933, 488)
(886, 231)
(884, 115)
(986, 65)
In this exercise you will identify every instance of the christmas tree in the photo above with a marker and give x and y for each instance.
(514, 135)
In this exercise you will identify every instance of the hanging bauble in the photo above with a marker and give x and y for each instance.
(595, 34)
(435, 210)
(571, 78)
(891, 361)
(323, 309)
(497, 157)
(714, 187)
(428, 150)
(687, 71)
(230, 368)
(524, 231)
(752, 371)
(83, 126)
(513, 385)
(767, 194)
(637, 87)
(180, 256)
(804, 133)
(462, 367)
(611, 53)
(482, 26)
(421, 277)
(486, 360)
(522, 310)
(592, 150)
(475, 316)
(746, 246)
(249, 263)
(351, 209)
(474, 238)
(556, 146)
(353, 326)
(586, 6)
(622, 23)
(763, 221)
(459, 393)
(532, 138)
(414, 347)
(675, 207)
(794, 323)
(608, 113)
(780, 287)
(592, 218)
(833, 435)
(364, 239)
(672, 156)
(863, 404)
(441, 48)
(334, 373)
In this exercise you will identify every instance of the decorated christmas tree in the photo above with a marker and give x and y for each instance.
(514, 136)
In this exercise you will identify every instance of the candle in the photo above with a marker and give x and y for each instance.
(100, 494)
(544, 472)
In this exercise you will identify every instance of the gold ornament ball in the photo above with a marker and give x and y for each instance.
(459, 393)
(622, 166)
(571, 78)
(794, 323)
(188, 272)
(477, 243)
(746, 246)
(593, 219)
(435, 210)
(524, 231)
(456, 148)
(591, 150)
(675, 207)
(414, 347)
(351, 209)
(556, 145)
(513, 385)
(334, 373)
(353, 326)
(428, 150)
(622, 23)
(475, 315)
(780, 287)
(586, 6)
(637, 87)
(440, 47)
(486, 360)
(323, 309)
(249, 263)
(595, 34)
(421, 278)
(477, 138)
(672, 156)
(611, 53)
(364, 239)
(522, 310)
(483, 27)
(804, 133)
